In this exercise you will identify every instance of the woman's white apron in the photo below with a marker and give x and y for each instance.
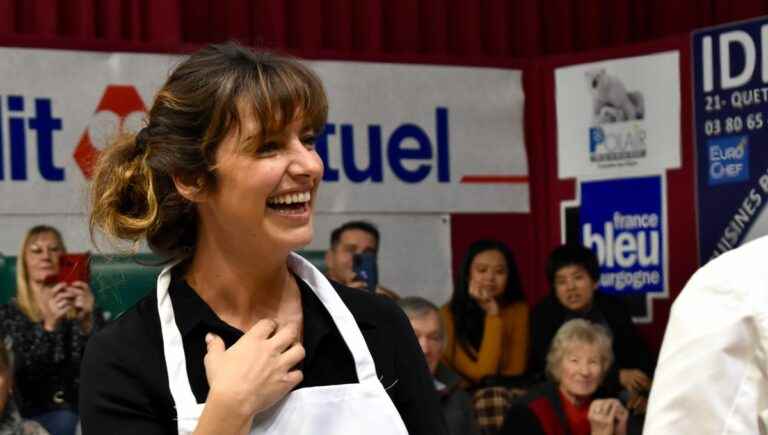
(362, 408)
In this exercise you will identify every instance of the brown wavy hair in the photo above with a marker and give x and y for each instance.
(133, 196)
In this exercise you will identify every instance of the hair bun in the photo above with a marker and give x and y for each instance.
(142, 140)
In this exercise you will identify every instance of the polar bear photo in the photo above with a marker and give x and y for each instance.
(611, 102)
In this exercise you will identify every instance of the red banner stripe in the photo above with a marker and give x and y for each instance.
(495, 179)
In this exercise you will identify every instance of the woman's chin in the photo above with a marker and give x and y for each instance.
(297, 240)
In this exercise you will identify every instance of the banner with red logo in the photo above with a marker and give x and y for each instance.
(404, 145)
(399, 138)
(57, 110)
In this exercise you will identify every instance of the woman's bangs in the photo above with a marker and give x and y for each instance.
(288, 94)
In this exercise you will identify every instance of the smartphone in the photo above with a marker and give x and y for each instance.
(366, 270)
(72, 267)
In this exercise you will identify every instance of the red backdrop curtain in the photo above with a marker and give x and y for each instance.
(455, 28)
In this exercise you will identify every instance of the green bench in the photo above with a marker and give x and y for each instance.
(117, 281)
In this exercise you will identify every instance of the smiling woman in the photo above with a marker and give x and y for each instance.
(576, 364)
(241, 336)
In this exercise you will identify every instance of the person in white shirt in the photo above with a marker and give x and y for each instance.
(712, 376)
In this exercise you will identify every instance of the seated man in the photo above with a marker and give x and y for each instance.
(573, 273)
(457, 406)
(348, 240)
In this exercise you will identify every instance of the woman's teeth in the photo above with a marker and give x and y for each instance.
(289, 198)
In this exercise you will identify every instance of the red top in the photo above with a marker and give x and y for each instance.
(576, 416)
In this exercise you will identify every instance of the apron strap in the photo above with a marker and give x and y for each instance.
(173, 346)
(342, 317)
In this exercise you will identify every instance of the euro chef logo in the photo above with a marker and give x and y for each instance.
(616, 137)
(621, 221)
(728, 159)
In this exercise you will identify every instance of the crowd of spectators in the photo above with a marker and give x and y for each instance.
(571, 363)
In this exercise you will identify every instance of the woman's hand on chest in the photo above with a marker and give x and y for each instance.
(258, 370)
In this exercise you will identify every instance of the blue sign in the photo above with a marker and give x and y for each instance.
(728, 159)
(731, 125)
(622, 222)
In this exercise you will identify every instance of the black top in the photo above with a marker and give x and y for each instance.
(125, 383)
(529, 414)
(630, 352)
(47, 363)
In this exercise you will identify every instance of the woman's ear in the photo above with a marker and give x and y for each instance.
(190, 187)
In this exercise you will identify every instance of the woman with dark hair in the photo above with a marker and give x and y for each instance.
(574, 275)
(486, 321)
(241, 335)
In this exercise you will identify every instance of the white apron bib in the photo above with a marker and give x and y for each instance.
(362, 408)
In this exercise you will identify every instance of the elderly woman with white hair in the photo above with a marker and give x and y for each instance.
(577, 362)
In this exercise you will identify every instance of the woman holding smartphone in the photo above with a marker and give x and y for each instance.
(49, 323)
(241, 336)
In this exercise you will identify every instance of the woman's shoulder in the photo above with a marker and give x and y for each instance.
(524, 413)
(132, 332)
(10, 309)
(366, 306)
(12, 318)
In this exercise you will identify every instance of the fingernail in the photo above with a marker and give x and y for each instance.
(208, 338)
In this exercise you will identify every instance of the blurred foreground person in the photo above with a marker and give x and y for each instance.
(712, 376)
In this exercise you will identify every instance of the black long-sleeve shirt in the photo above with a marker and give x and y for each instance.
(47, 363)
(125, 383)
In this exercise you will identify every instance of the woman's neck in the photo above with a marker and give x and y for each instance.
(36, 289)
(243, 288)
(574, 399)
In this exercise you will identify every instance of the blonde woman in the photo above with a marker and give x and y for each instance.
(577, 363)
(48, 342)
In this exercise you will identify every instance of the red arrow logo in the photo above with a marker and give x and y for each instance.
(120, 109)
